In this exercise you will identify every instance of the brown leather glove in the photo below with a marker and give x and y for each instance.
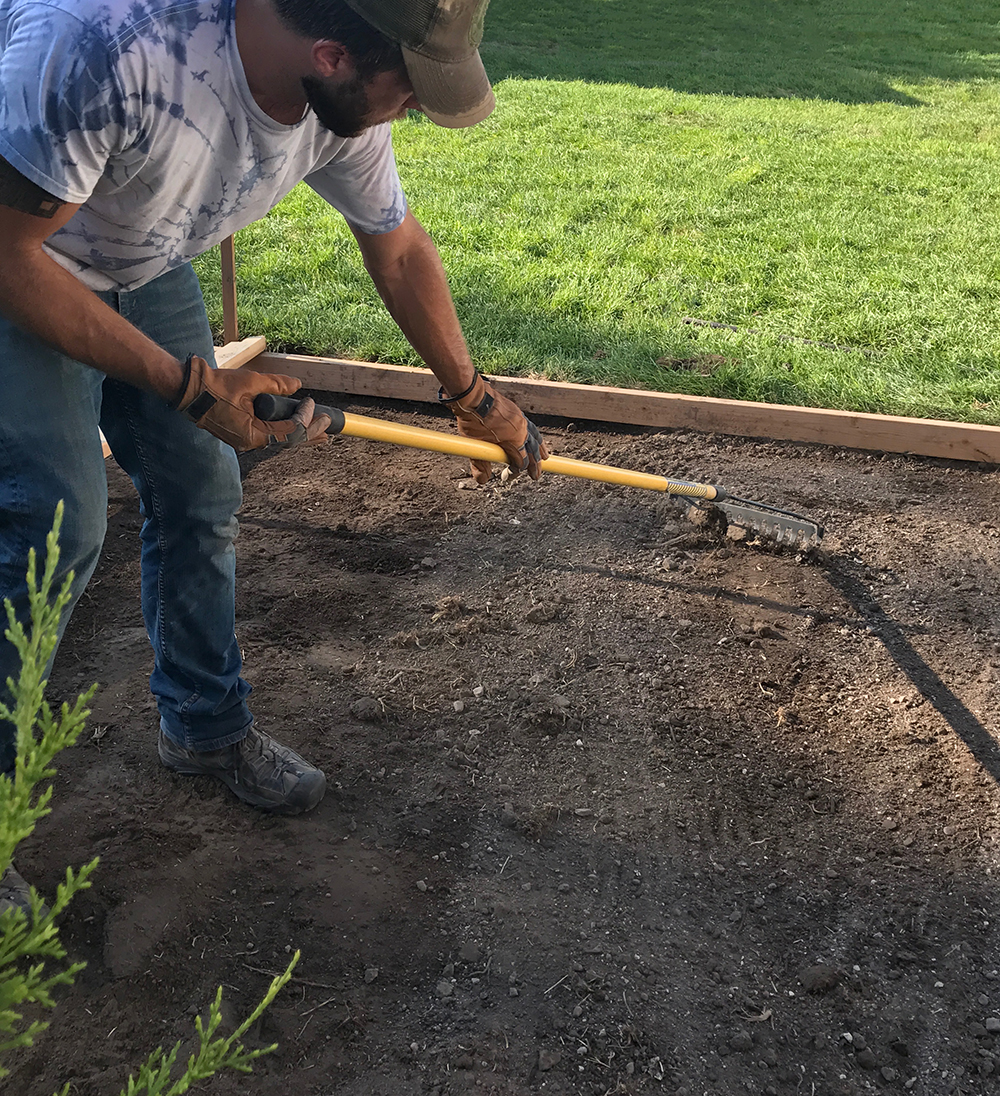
(221, 402)
(484, 414)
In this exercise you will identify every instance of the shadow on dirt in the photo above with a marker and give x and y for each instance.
(981, 744)
(850, 52)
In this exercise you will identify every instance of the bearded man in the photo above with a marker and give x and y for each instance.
(133, 137)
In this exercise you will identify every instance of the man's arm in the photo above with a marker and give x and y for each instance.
(407, 271)
(38, 295)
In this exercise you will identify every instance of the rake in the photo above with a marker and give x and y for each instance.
(782, 526)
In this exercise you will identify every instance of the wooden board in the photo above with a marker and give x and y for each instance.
(235, 354)
(888, 433)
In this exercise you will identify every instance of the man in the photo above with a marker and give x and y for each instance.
(134, 137)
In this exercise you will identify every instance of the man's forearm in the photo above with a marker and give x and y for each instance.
(42, 298)
(415, 290)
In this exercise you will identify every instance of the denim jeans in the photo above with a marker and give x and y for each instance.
(189, 492)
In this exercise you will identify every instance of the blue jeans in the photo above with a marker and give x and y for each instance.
(189, 492)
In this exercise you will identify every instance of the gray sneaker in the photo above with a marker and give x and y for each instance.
(258, 769)
(15, 893)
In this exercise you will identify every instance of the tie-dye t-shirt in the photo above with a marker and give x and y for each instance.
(140, 110)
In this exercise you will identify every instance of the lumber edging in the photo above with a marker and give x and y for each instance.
(887, 433)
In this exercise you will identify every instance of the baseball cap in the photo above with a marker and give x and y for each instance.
(440, 43)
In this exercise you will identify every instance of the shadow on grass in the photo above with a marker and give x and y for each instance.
(848, 51)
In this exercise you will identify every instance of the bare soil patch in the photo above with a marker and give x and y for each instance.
(617, 805)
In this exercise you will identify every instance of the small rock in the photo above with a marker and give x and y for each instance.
(445, 989)
(513, 992)
(469, 952)
(368, 709)
(421, 886)
(507, 816)
(992, 1023)
(860, 1042)
(741, 1041)
(542, 614)
(459, 706)
(428, 562)
(464, 1061)
(371, 974)
(889, 1073)
(866, 1059)
(478, 691)
(548, 1058)
(890, 824)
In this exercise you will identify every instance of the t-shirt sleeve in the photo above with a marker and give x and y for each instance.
(362, 183)
(61, 106)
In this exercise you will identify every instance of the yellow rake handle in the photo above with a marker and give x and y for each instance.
(436, 441)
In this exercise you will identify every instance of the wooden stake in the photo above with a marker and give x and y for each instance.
(230, 327)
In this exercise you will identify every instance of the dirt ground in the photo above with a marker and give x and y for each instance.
(617, 804)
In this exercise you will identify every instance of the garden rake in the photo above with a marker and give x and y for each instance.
(781, 526)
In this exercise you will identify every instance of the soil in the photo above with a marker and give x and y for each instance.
(617, 804)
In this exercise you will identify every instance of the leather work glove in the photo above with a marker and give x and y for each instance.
(221, 402)
(484, 414)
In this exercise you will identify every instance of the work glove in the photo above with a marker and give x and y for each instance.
(484, 414)
(221, 402)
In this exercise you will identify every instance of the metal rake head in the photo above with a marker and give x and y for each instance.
(781, 526)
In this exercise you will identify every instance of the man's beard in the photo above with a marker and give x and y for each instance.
(344, 110)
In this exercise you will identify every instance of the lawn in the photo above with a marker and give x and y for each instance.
(802, 173)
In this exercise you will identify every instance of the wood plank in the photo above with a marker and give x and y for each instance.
(230, 325)
(235, 354)
(886, 433)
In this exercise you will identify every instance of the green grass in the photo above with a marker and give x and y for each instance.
(800, 171)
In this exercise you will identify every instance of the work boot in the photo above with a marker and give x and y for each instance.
(258, 769)
(15, 893)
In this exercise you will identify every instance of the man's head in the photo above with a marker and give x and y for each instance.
(427, 49)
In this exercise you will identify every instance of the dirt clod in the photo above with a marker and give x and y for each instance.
(821, 977)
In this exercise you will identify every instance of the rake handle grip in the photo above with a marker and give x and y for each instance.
(270, 408)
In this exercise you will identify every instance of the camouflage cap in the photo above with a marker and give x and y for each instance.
(440, 42)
